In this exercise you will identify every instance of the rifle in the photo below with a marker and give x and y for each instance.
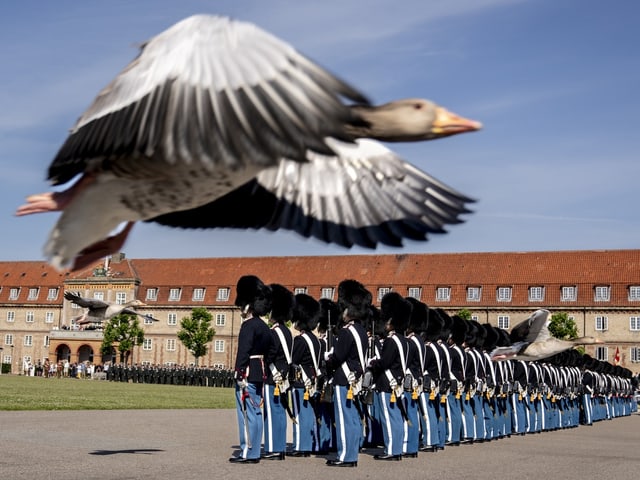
(327, 387)
(367, 380)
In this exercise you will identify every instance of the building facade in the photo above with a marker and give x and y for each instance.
(599, 290)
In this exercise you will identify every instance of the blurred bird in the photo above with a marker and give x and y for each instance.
(531, 340)
(218, 123)
(99, 311)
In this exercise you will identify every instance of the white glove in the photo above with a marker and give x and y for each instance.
(371, 361)
(328, 354)
(277, 377)
(242, 383)
(351, 378)
(393, 383)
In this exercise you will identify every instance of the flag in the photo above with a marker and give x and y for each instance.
(616, 357)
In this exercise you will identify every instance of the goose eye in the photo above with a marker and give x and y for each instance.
(417, 106)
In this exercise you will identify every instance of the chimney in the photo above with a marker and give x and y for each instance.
(117, 257)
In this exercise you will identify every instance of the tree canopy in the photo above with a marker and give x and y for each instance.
(196, 332)
(562, 327)
(123, 330)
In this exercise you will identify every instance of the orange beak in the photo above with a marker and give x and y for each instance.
(447, 123)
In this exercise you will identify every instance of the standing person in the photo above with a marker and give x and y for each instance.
(388, 376)
(329, 315)
(276, 383)
(254, 342)
(346, 361)
(307, 351)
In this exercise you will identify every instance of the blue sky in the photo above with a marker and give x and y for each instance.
(555, 84)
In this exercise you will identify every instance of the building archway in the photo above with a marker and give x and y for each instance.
(85, 353)
(63, 352)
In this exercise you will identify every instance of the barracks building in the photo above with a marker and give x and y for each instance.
(598, 289)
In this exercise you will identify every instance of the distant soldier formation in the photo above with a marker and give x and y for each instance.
(399, 380)
(170, 375)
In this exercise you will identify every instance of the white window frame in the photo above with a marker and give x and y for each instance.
(11, 316)
(171, 344)
(147, 344)
(152, 295)
(327, 292)
(443, 294)
(218, 346)
(634, 293)
(121, 298)
(172, 318)
(503, 294)
(52, 294)
(14, 293)
(536, 294)
(634, 324)
(148, 319)
(198, 294)
(221, 319)
(602, 293)
(8, 339)
(47, 341)
(175, 294)
(568, 293)
(504, 322)
(29, 317)
(299, 290)
(634, 354)
(49, 317)
(601, 323)
(474, 294)
(414, 292)
(28, 341)
(33, 293)
(602, 353)
(223, 294)
(382, 291)
(475, 318)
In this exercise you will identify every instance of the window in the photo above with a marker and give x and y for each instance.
(634, 324)
(148, 318)
(171, 344)
(415, 292)
(298, 290)
(121, 298)
(503, 322)
(152, 295)
(475, 318)
(29, 317)
(634, 292)
(443, 294)
(198, 294)
(8, 339)
(46, 340)
(326, 292)
(174, 294)
(504, 294)
(33, 294)
(146, 344)
(98, 295)
(28, 340)
(223, 294)
(602, 323)
(52, 294)
(172, 319)
(569, 294)
(48, 317)
(219, 346)
(473, 294)
(13, 293)
(7, 359)
(221, 319)
(382, 291)
(634, 354)
(602, 293)
(602, 353)
(11, 316)
(536, 294)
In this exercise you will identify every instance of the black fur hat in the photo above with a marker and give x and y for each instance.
(479, 333)
(419, 314)
(447, 324)
(434, 325)
(491, 337)
(458, 330)
(306, 312)
(329, 313)
(395, 310)
(355, 299)
(252, 293)
(282, 303)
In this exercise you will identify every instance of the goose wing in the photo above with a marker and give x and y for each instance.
(363, 196)
(209, 90)
(533, 329)
(93, 304)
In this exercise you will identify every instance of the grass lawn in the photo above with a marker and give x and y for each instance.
(37, 393)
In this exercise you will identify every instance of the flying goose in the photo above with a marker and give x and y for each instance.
(217, 123)
(531, 340)
(99, 311)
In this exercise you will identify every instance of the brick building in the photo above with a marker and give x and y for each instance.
(600, 290)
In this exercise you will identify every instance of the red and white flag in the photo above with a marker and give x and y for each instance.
(616, 357)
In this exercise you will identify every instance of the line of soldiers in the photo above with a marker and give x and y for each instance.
(403, 378)
(170, 375)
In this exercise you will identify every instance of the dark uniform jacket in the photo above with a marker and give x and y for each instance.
(276, 353)
(302, 359)
(345, 350)
(254, 343)
(390, 360)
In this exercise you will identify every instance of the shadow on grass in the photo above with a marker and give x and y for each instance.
(141, 451)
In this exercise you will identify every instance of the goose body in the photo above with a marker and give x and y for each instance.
(216, 113)
(99, 311)
(531, 340)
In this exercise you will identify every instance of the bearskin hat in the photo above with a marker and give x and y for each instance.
(433, 326)
(491, 337)
(504, 340)
(281, 303)
(396, 311)
(252, 293)
(419, 313)
(329, 314)
(355, 299)
(306, 312)
(447, 324)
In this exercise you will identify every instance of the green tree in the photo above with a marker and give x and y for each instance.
(562, 327)
(196, 332)
(123, 330)
(464, 314)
